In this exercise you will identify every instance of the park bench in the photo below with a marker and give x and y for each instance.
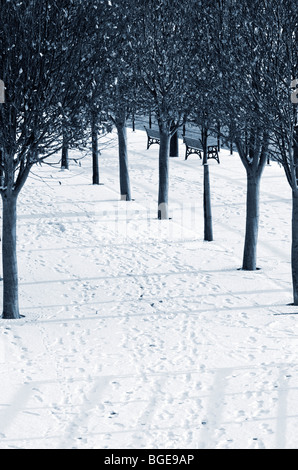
(194, 146)
(153, 137)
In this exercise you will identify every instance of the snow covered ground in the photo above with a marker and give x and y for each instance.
(137, 333)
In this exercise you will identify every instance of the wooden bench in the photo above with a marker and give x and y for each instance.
(194, 146)
(153, 137)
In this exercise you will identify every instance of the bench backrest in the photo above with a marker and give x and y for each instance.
(152, 133)
(192, 143)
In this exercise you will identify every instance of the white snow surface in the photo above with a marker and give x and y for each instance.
(137, 333)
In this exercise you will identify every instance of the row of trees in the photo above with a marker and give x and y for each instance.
(71, 67)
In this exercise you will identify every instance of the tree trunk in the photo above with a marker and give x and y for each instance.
(174, 145)
(231, 138)
(123, 162)
(1, 170)
(294, 261)
(218, 136)
(295, 247)
(231, 148)
(252, 223)
(9, 258)
(163, 195)
(208, 231)
(95, 152)
(64, 158)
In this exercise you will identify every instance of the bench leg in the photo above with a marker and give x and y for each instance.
(215, 157)
(152, 141)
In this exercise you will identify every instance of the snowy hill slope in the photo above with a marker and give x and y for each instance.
(137, 334)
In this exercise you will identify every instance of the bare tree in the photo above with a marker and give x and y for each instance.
(97, 53)
(282, 81)
(202, 91)
(247, 101)
(121, 88)
(40, 42)
(163, 40)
